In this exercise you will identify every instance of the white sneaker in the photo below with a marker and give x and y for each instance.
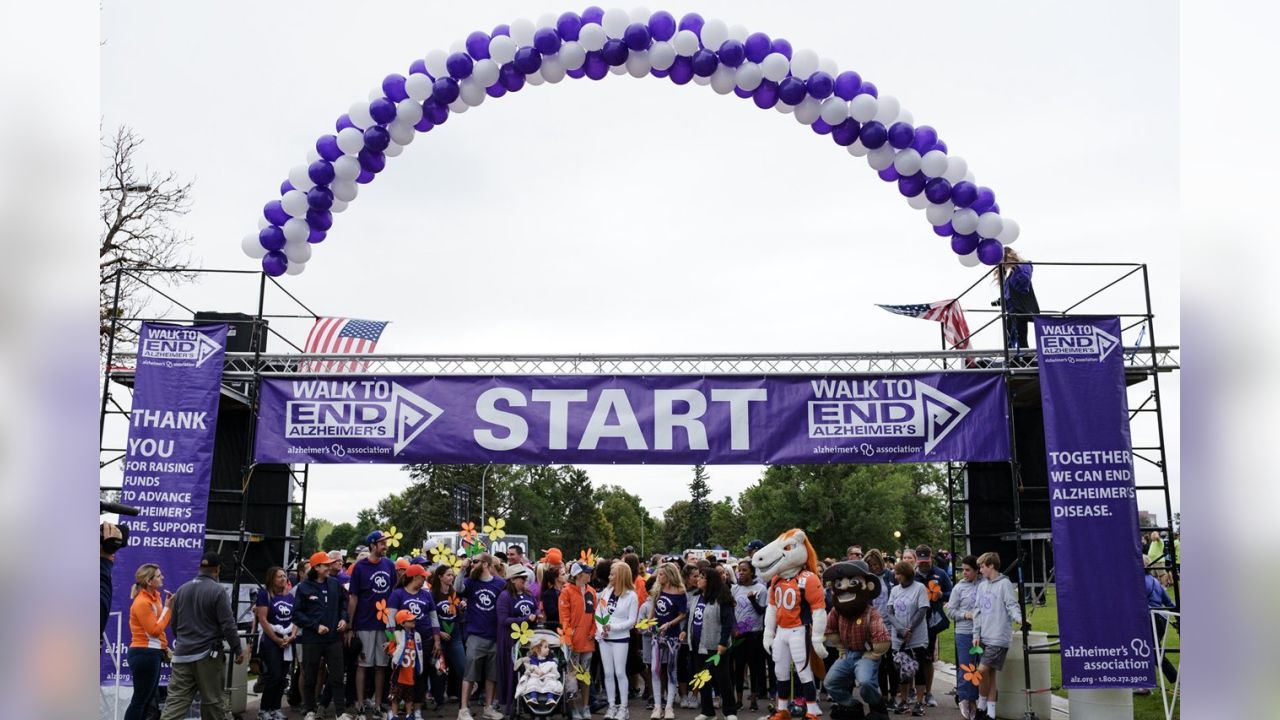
(670, 713)
(310, 716)
(624, 713)
(491, 713)
(657, 713)
(700, 716)
(346, 716)
(464, 714)
(730, 717)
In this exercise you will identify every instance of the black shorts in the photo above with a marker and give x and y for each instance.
(933, 643)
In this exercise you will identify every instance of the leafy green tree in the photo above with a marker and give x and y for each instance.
(341, 537)
(626, 513)
(699, 507)
(675, 527)
(726, 526)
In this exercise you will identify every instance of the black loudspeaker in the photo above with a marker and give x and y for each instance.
(239, 330)
(990, 506)
(268, 496)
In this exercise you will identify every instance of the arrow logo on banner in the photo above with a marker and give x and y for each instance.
(942, 414)
(1106, 343)
(412, 414)
(205, 349)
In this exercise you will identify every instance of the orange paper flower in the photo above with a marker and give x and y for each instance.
(381, 605)
(935, 591)
(587, 557)
(971, 674)
(468, 533)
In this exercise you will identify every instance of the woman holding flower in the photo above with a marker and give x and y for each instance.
(517, 606)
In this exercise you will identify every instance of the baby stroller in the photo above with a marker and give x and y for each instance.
(540, 688)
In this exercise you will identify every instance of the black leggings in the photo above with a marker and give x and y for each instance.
(144, 663)
(331, 654)
(273, 668)
(720, 684)
(748, 656)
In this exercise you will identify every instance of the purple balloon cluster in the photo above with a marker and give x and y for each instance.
(593, 43)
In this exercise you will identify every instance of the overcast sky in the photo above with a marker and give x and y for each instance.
(633, 215)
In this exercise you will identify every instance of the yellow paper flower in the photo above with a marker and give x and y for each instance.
(646, 623)
(494, 528)
(587, 557)
(583, 674)
(393, 537)
(521, 632)
(415, 552)
(700, 679)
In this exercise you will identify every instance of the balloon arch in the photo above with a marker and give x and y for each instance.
(593, 44)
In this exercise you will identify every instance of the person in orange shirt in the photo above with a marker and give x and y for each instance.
(578, 603)
(148, 646)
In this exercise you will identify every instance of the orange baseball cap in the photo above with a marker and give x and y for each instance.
(553, 557)
(402, 563)
(415, 571)
(404, 616)
(320, 558)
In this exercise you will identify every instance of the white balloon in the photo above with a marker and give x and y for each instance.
(553, 69)
(970, 260)
(881, 157)
(572, 54)
(296, 230)
(471, 92)
(418, 86)
(534, 79)
(337, 206)
(784, 108)
(618, 69)
(312, 156)
(485, 73)
(359, 114)
(804, 63)
(775, 66)
(300, 179)
(964, 221)
(990, 225)
(738, 32)
(294, 203)
(904, 115)
(457, 46)
(723, 79)
(1009, 233)
(934, 164)
(919, 202)
(436, 60)
(834, 111)
(350, 141)
(637, 63)
(393, 150)
(809, 110)
(408, 113)
(502, 50)
(640, 15)
(252, 247)
(686, 43)
(297, 252)
(863, 108)
(294, 268)
(714, 33)
(592, 37)
(460, 106)
(907, 162)
(888, 110)
(699, 80)
(940, 215)
(857, 149)
(263, 223)
(956, 169)
(344, 190)
(401, 134)
(970, 177)
(749, 76)
(346, 167)
(615, 22)
(522, 32)
(375, 93)
(662, 54)
(829, 66)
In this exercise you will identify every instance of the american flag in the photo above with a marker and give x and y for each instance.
(954, 328)
(341, 336)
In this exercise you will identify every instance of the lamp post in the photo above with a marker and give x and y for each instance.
(483, 477)
(897, 538)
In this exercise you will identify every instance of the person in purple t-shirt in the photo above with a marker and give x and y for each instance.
(416, 598)
(372, 580)
(478, 586)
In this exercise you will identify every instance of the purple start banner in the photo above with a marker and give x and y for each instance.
(1102, 609)
(167, 464)
(632, 419)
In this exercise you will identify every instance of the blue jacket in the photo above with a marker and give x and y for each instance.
(319, 603)
(1156, 595)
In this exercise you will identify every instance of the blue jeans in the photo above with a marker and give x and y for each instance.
(965, 690)
(850, 672)
(144, 663)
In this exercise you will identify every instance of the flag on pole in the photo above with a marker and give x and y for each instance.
(342, 336)
(948, 312)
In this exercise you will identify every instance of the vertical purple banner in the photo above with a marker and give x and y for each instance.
(1102, 609)
(167, 466)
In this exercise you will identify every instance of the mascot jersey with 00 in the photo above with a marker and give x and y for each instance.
(796, 598)
(796, 618)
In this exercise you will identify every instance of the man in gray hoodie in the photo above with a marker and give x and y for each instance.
(998, 610)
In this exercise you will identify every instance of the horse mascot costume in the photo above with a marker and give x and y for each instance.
(795, 621)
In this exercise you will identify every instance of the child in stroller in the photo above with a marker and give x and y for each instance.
(540, 685)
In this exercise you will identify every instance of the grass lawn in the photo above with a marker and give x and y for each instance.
(1045, 619)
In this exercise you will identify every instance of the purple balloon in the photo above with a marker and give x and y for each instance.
(938, 190)
(382, 110)
(593, 14)
(419, 67)
(478, 45)
(316, 236)
(377, 138)
(985, 200)
(757, 46)
(925, 138)
(546, 41)
(732, 53)
(365, 177)
(425, 124)
(320, 198)
(503, 29)
(944, 230)
(847, 84)
(781, 46)
(822, 127)
(744, 94)
(692, 21)
(328, 148)
(964, 193)
(913, 185)
(372, 160)
(459, 65)
(940, 146)
(393, 87)
(568, 25)
(275, 263)
(320, 219)
(990, 251)
(511, 77)
(662, 25)
(595, 66)
(869, 88)
(681, 70)
(660, 73)
(495, 90)
(320, 172)
(846, 132)
(766, 96)
(437, 111)
(792, 90)
(964, 244)
(344, 122)
(873, 135)
(271, 237)
(274, 213)
(286, 186)
(995, 209)
(637, 36)
(704, 63)
(614, 52)
(901, 135)
(820, 85)
(577, 74)
(445, 90)
(527, 60)
(888, 174)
